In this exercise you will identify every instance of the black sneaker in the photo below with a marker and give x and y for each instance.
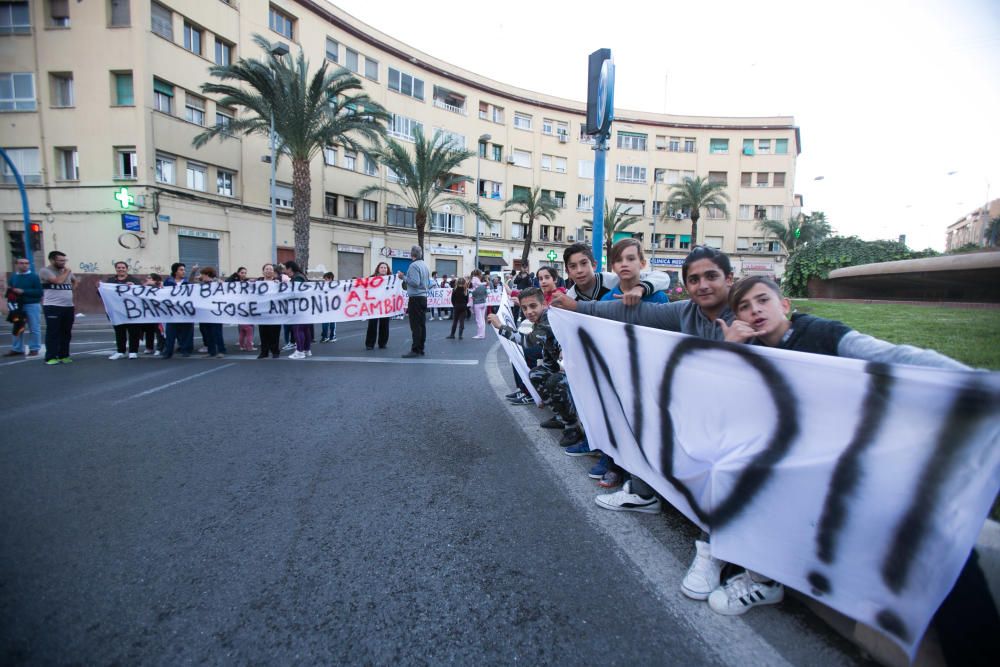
(555, 422)
(571, 437)
(513, 394)
(523, 400)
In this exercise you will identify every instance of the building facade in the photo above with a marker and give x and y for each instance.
(100, 102)
(971, 228)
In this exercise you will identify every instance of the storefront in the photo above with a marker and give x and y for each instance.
(350, 262)
(491, 260)
(445, 260)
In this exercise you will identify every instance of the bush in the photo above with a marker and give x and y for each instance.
(816, 260)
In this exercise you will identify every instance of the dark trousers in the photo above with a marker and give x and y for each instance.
(303, 337)
(531, 356)
(182, 335)
(154, 339)
(211, 335)
(458, 319)
(270, 339)
(59, 330)
(967, 622)
(378, 329)
(132, 332)
(417, 310)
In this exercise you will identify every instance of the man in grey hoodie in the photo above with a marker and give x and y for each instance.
(417, 281)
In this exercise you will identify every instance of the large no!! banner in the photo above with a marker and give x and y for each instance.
(258, 302)
(863, 485)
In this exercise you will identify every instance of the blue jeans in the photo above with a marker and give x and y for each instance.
(33, 311)
(329, 330)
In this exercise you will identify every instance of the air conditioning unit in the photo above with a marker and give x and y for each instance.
(570, 239)
(679, 215)
(495, 235)
(510, 159)
(563, 138)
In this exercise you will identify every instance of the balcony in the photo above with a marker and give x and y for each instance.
(449, 100)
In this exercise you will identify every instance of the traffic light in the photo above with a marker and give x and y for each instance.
(36, 237)
(16, 242)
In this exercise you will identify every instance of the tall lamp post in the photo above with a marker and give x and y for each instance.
(278, 50)
(656, 185)
(479, 157)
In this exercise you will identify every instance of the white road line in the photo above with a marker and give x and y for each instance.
(171, 384)
(732, 640)
(376, 360)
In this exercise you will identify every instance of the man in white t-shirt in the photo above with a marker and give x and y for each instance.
(57, 304)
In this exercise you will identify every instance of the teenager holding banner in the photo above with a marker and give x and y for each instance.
(133, 332)
(378, 327)
(182, 334)
(211, 333)
(301, 332)
(270, 334)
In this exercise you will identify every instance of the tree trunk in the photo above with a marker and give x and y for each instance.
(301, 199)
(694, 228)
(529, 231)
(421, 221)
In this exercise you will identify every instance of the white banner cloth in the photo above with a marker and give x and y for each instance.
(863, 485)
(514, 351)
(258, 302)
(440, 297)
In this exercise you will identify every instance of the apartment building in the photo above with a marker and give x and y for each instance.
(100, 102)
(971, 228)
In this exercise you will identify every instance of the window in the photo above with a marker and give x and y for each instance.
(405, 84)
(27, 162)
(58, 13)
(631, 141)
(560, 165)
(332, 50)
(223, 52)
(330, 156)
(759, 212)
(350, 160)
(281, 23)
(718, 177)
(546, 162)
(61, 89)
(675, 145)
(392, 176)
(163, 96)
(762, 181)
(585, 169)
(776, 212)
(658, 208)
(124, 97)
(764, 146)
(548, 125)
(165, 169)
(746, 212)
(194, 109)
(192, 38)
(371, 167)
(521, 192)
(557, 234)
(522, 121)
(558, 198)
(669, 241)
(351, 60)
(369, 210)
(330, 204)
(224, 182)
(223, 116)
(672, 176)
(490, 189)
(400, 216)
(449, 100)
(448, 223)
(482, 149)
(67, 164)
(746, 179)
(517, 230)
(781, 146)
(497, 153)
(630, 173)
(17, 91)
(714, 213)
(718, 146)
(779, 179)
(748, 146)
(350, 208)
(15, 18)
(119, 14)
(631, 206)
(448, 137)
(689, 144)
(714, 242)
(282, 195)
(197, 176)
(521, 158)
(543, 232)
(742, 243)
(402, 127)
(126, 162)
(490, 112)
(585, 202)
(371, 68)
(562, 129)
(163, 21)
(685, 242)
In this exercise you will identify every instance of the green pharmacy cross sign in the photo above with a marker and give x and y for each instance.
(553, 255)
(124, 198)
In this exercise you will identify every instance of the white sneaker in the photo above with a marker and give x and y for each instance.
(133, 355)
(156, 353)
(289, 346)
(116, 356)
(308, 353)
(623, 500)
(740, 593)
(297, 355)
(703, 576)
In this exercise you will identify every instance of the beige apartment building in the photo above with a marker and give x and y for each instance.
(971, 228)
(100, 102)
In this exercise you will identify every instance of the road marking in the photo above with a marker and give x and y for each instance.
(731, 639)
(377, 360)
(171, 384)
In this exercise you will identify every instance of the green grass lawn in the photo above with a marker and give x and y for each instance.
(970, 335)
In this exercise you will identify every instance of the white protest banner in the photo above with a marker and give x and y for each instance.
(258, 302)
(863, 485)
(514, 351)
(440, 297)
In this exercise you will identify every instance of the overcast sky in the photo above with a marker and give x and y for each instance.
(890, 95)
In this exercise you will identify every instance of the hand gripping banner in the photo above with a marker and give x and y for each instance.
(861, 484)
(258, 302)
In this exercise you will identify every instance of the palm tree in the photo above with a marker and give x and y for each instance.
(694, 194)
(616, 221)
(992, 233)
(798, 231)
(309, 114)
(531, 206)
(426, 180)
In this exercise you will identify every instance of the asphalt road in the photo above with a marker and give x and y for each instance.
(352, 508)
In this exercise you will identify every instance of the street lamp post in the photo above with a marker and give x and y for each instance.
(278, 50)
(479, 157)
(656, 185)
